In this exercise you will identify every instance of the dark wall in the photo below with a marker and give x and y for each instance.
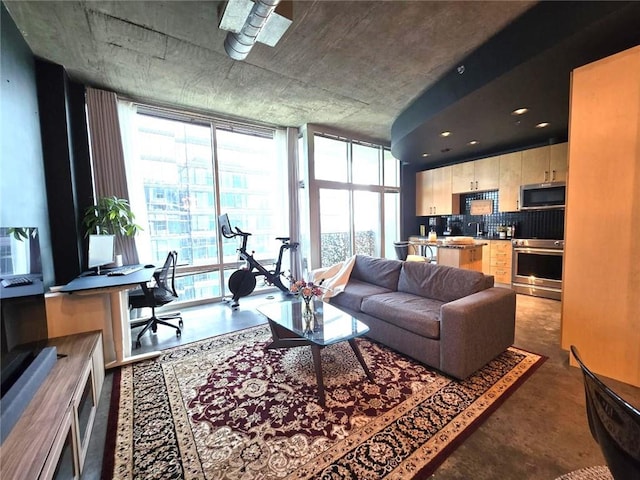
(408, 220)
(23, 197)
(45, 171)
(66, 164)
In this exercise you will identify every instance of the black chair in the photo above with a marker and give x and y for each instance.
(614, 424)
(402, 250)
(161, 293)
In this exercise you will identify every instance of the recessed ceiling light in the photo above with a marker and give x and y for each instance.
(520, 111)
(474, 142)
(445, 134)
(425, 154)
(542, 125)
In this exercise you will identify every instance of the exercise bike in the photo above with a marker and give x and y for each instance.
(242, 282)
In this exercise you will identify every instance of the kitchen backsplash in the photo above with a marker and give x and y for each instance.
(530, 224)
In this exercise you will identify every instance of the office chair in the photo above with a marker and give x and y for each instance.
(614, 424)
(157, 295)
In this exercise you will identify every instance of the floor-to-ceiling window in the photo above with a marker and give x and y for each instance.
(354, 193)
(191, 170)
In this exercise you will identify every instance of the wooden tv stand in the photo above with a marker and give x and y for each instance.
(52, 435)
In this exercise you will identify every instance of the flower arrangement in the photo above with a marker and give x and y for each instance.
(307, 290)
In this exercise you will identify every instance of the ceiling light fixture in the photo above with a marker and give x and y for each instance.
(473, 142)
(542, 125)
(520, 111)
(264, 21)
(445, 134)
(425, 154)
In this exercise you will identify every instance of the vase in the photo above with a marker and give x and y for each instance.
(307, 313)
(307, 306)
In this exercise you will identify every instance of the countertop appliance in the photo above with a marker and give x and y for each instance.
(537, 267)
(543, 196)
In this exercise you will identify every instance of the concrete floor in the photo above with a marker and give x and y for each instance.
(540, 432)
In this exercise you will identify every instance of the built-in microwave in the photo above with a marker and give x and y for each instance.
(542, 196)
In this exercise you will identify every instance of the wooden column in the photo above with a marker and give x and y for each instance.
(601, 284)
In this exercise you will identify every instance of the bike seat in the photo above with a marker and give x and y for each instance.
(283, 239)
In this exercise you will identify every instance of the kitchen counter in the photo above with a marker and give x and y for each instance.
(460, 252)
(441, 242)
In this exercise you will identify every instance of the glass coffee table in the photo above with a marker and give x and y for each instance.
(329, 325)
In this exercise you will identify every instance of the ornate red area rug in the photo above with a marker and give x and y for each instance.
(227, 408)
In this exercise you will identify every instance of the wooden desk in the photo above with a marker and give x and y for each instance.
(115, 288)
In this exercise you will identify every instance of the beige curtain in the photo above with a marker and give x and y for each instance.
(107, 158)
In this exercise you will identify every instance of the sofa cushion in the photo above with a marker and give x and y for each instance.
(378, 271)
(411, 312)
(354, 292)
(439, 282)
(489, 281)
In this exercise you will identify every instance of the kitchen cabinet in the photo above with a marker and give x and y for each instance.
(462, 177)
(509, 182)
(479, 175)
(539, 165)
(487, 173)
(558, 161)
(424, 193)
(469, 258)
(433, 192)
(442, 199)
(500, 260)
(486, 259)
(505, 173)
(536, 165)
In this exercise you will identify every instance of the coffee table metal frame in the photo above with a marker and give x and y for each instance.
(289, 328)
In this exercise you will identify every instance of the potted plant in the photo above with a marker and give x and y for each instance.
(110, 216)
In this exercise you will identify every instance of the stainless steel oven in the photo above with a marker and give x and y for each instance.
(537, 267)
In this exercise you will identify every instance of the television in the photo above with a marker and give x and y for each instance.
(100, 251)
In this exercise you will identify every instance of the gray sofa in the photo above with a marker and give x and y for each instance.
(451, 319)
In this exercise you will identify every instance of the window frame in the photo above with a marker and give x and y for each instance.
(215, 124)
(312, 254)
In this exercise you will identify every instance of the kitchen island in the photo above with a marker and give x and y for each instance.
(460, 252)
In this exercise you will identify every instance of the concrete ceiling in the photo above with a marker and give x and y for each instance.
(379, 70)
(349, 65)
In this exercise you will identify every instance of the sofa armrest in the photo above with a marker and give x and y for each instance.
(475, 329)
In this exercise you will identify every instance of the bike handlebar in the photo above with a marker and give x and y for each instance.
(285, 240)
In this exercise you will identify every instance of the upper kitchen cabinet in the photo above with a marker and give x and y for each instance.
(433, 192)
(509, 184)
(540, 165)
(558, 161)
(424, 193)
(487, 173)
(479, 175)
(442, 198)
(462, 177)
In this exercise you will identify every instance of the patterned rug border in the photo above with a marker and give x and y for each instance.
(429, 469)
(108, 464)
